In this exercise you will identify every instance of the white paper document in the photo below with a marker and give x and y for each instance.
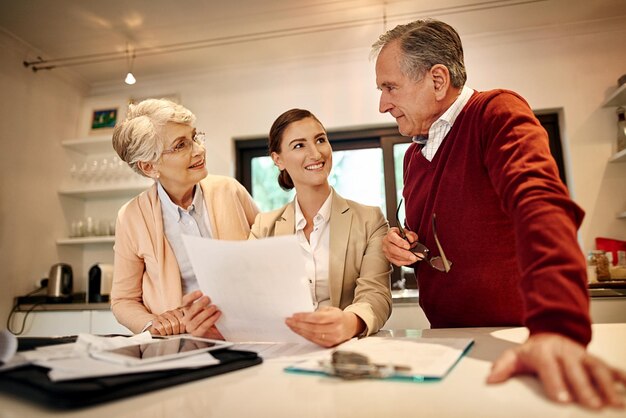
(418, 358)
(73, 361)
(256, 284)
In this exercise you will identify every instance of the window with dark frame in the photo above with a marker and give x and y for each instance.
(379, 149)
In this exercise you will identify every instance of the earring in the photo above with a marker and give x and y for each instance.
(158, 175)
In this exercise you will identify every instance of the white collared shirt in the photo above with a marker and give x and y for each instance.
(440, 128)
(178, 221)
(316, 251)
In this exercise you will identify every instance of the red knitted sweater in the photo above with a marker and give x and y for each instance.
(505, 220)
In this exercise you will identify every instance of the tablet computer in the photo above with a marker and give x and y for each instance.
(160, 350)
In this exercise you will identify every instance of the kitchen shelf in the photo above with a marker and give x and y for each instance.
(87, 240)
(91, 145)
(618, 98)
(619, 157)
(105, 191)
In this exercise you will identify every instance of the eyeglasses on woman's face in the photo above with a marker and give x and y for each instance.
(439, 262)
(185, 145)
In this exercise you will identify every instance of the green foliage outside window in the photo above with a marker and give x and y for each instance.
(356, 175)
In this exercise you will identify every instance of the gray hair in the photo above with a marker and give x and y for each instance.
(139, 137)
(425, 43)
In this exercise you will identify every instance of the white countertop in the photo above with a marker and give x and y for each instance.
(73, 306)
(267, 391)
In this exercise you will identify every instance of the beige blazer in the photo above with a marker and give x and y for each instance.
(146, 278)
(359, 273)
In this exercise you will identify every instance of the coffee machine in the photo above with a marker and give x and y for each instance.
(100, 282)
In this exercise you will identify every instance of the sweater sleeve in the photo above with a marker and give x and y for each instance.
(523, 173)
(126, 292)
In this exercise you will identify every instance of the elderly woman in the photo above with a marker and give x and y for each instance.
(152, 271)
(340, 239)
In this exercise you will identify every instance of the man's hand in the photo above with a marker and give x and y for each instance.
(397, 249)
(327, 327)
(566, 370)
(200, 315)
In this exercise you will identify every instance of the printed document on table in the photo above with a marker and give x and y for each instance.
(416, 359)
(256, 284)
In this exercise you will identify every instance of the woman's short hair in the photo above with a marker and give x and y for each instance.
(425, 43)
(276, 136)
(139, 136)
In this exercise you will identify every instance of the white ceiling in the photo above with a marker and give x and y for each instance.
(245, 32)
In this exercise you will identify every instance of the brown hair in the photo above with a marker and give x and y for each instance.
(276, 136)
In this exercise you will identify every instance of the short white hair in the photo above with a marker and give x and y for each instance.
(139, 137)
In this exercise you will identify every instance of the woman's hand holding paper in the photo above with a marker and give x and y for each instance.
(327, 326)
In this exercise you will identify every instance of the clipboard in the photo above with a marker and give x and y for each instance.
(406, 359)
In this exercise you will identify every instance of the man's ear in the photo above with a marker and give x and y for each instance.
(149, 169)
(277, 160)
(441, 80)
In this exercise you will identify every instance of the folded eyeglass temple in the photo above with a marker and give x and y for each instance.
(444, 259)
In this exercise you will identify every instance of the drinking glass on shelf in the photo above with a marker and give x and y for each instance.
(83, 173)
(77, 228)
(103, 166)
(114, 171)
(94, 169)
(89, 227)
(112, 228)
(74, 172)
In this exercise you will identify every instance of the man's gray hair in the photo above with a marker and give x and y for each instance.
(139, 137)
(425, 43)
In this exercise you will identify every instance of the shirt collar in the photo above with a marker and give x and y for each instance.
(323, 215)
(173, 209)
(451, 113)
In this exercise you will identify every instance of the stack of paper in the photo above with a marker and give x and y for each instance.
(256, 285)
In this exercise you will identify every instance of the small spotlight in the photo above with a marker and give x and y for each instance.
(130, 79)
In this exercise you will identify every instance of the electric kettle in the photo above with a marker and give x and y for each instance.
(60, 283)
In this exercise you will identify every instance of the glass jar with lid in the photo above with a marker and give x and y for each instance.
(599, 259)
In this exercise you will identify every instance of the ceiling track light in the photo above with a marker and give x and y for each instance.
(130, 60)
(49, 64)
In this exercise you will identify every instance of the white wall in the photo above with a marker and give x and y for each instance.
(37, 111)
(572, 68)
(569, 68)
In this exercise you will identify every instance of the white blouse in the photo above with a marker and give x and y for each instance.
(316, 251)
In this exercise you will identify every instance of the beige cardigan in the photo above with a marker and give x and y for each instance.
(146, 278)
(359, 273)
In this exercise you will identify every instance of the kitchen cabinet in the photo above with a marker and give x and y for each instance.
(407, 314)
(55, 323)
(618, 98)
(97, 185)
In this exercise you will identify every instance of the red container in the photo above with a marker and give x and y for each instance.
(610, 245)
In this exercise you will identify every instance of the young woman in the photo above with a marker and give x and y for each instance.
(341, 239)
(151, 269)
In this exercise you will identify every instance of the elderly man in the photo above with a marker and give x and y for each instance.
(496, 227)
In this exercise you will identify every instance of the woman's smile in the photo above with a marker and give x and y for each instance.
(315, 166)
(199, 164)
